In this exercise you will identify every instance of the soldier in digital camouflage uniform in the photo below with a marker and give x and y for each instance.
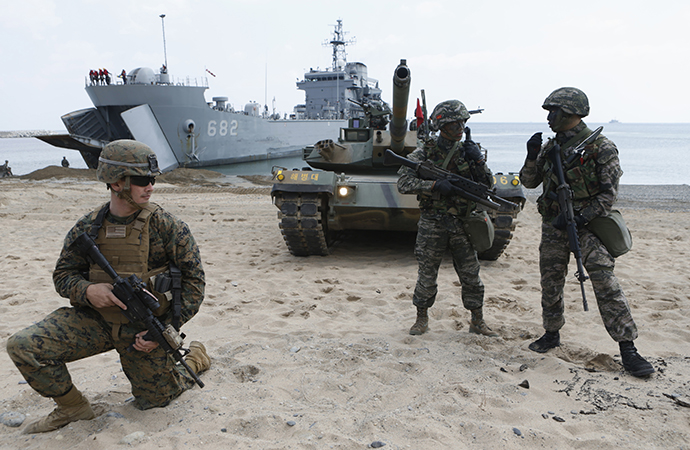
(442, 211)
(136, 237)
(593, 179)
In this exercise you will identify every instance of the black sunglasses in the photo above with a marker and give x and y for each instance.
(142, 181)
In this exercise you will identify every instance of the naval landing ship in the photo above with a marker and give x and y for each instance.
(176, 121)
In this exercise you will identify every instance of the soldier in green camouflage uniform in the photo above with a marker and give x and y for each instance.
(593, 179)
(93, 324)
(442, 211)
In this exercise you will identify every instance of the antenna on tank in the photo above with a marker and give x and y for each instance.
(165, 52)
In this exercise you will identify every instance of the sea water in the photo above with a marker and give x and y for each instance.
(649, 153)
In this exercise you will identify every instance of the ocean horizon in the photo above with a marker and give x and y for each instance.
(650, 154)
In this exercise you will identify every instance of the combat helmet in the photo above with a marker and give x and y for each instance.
(569, 99)
(447, 112)
(125, 158)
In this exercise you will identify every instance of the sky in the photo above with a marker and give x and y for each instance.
(631, 58)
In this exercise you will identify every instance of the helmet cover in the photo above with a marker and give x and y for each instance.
(124, 158)
(447, 112)
(570, 100)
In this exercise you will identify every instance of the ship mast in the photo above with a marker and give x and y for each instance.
(338, 43)
(165, 52)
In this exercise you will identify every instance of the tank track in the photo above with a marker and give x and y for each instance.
(302, 223)
(504, 225)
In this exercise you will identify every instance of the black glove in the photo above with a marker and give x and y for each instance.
(472, 151)
(534, 146)
(445, 187)
(560, 221)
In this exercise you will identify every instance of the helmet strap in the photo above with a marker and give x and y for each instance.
(126, 194)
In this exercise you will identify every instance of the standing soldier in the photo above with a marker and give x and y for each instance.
(136, 237)
(442, 211)
(593, 179)
(5, 170)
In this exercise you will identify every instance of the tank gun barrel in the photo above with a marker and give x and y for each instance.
(401, 93)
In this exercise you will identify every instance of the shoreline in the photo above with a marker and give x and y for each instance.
(665, 197)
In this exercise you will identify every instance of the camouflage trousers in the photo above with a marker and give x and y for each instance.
(554, 254)
(68, 334)
(435, 235)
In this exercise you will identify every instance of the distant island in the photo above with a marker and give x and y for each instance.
(26, 133)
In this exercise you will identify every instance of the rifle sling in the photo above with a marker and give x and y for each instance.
(579, 137)
(450, 155)
(98, 223)
(176, 275)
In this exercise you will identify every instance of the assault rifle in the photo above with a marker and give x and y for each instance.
(565, 202)
(468, 189)
(140, 305)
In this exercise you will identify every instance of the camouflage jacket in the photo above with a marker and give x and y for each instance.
(170, 240)
(431, 202)
(593, 178)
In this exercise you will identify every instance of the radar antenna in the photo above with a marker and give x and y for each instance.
(338, 43)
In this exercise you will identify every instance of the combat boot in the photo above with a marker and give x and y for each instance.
(478, 326)
(71, 407)
(551, 339)
(197, 358)
(633, 362)
(421, 325)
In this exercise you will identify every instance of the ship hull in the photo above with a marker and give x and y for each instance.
(182, 128)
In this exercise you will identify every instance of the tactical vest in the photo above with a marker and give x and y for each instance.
(581, 176)
(126, 248)
(441, 204)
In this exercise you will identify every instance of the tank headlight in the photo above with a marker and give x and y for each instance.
(280, 176)
(515, 182)
(346, 192)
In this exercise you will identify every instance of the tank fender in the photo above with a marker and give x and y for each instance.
(327, 188)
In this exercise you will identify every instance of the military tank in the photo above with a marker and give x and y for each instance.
(347, 186)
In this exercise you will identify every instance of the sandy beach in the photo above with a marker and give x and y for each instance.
(314, 353)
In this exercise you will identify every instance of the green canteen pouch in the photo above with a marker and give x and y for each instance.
(612, 232)
(480, 230)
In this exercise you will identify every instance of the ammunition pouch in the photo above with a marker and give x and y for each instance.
(613, 233)
(479, 229)
(167, 283)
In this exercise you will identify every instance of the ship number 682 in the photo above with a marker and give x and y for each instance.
(223, 128)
